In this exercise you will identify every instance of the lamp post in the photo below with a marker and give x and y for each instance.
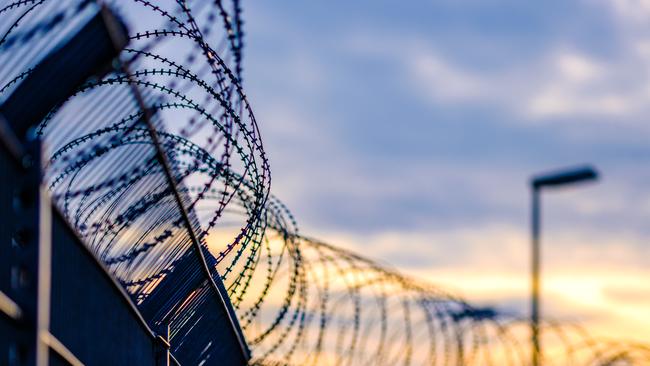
(555, 179)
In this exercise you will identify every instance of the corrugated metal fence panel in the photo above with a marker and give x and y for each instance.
(90, 314)
(8, 180)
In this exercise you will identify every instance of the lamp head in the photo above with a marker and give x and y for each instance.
(564, 177)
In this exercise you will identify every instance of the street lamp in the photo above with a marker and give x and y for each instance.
(555, 179)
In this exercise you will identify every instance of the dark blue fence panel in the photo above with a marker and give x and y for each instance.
(91, 315)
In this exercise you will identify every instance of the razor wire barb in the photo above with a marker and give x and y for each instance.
(299, 301)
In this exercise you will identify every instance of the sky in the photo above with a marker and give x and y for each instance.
(408, 131)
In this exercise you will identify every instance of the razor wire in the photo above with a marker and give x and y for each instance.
(298, 301)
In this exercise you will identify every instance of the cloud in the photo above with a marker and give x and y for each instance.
(586, 276)
(411, 140)
(501, 247)
(577, 67)
(636, 11)
(352, 149)
(563, 83)
(581, 86)
(445, 82)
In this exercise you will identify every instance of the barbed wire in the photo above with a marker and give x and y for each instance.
(298, 300)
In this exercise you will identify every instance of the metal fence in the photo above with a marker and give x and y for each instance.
(115, 177)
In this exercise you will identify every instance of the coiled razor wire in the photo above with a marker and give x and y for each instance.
(298, 301)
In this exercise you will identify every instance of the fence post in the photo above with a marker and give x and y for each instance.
(31, 260)
(162, 351)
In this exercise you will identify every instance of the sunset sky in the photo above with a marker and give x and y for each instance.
(408, 131)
